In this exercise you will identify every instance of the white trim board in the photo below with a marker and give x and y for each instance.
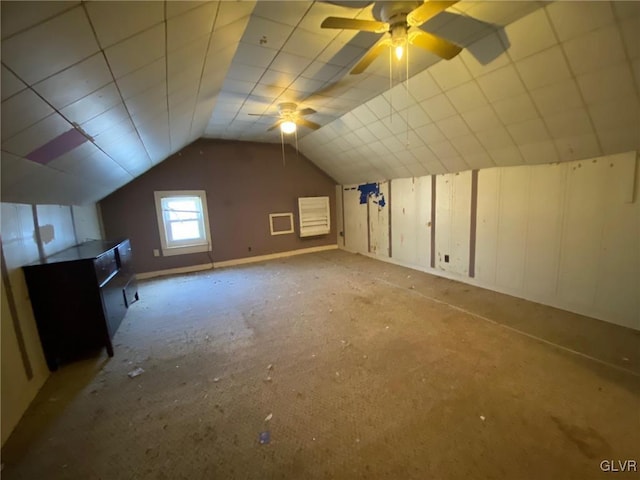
(236, 261)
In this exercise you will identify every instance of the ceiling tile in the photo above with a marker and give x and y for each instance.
(607, 84)
(105, 120)
(537, 153)
(571, 19)
(444, 150)
(399, 97)
(578, 147)
(288, 63)
(93, 104)
(529, 131)
(254, 55)
(438, 107)
(321, 71)
(341, 54)
(495, 139)
(178, 7)
(453, 127)
(50, 47)
(289, 13)
(379, 106)
(417, 116)
(36, 135)
(261, 31)
(501, 83)
(530, 34)
(450, 73)
(142, 79)
(430, 134)
(18, 16)
(619, 140)
(21, 111)
(557, 97)
(595, 50)
(136, 52)
(423, 86)
(515, 109)
(227, 36)
(621, 113)
(544, 68)
(501, 13)
(115, 21)
(630, 28)
(507, 156)
(232, 12)
(75, 82)
(305, 44)
(468, 145)
(569, 123)
(190, 26)
(485, 55)
(148, 99)
(466, 97)
(10, 83)
(480, 119)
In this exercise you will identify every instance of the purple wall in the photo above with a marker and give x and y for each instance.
(244, 183)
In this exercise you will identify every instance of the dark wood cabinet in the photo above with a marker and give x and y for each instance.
(79, 297)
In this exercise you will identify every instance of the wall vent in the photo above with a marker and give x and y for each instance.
(314, 216)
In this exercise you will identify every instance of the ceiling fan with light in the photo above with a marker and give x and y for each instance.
(399, 21)
(289, 118)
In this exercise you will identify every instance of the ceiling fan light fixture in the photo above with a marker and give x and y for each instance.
(288, 127)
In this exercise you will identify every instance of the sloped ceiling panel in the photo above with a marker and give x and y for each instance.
(536, 82)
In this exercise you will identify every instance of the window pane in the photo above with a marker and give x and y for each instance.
(185, 230)
(187, 208)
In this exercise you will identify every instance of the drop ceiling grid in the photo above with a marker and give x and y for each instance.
(579, 140)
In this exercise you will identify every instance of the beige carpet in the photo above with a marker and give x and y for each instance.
(355, 368)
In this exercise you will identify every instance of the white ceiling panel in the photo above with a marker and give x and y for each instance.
(93, 104)
(595, 50)
(21, 111)
(142, 79)
(530, 34)
(62, 41)
(18, 16)
(137, 51)
(36, 135)
(570, 22)
(544, 68)
(190, 26)
(116, 21)
(546, 81)
(10, 83)
(75, 82)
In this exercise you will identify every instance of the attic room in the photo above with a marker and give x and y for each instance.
(320, 239)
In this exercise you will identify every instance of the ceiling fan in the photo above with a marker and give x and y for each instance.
(399, 21)
(289, 118)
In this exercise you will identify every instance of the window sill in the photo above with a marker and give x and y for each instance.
(167, 252)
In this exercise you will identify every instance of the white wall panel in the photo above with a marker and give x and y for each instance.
(512, 227)
(56, 228)
(487, 225)
(355, 224)
(565, 235)
(453, 217)
(544, 226)
(379, 222)
(339, 217)
(85, 219)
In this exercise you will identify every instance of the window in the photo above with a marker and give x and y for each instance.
(183, 222)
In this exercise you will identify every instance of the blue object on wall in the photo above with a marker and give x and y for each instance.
(371, 190)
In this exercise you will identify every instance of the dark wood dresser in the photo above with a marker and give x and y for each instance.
(79, 297)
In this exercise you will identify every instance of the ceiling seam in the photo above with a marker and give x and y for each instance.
(204, 63)
(166, 75)
(118, 89)
(582, 99)
(37, 24)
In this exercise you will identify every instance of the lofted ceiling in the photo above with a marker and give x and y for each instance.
(95, 93)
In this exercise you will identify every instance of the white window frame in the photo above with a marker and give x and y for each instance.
(281, 215)
(181, 248)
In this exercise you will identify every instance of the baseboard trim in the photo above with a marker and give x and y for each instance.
(234, 262)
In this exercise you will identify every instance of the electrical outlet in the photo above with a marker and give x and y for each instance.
(156, 252)
(446, 259)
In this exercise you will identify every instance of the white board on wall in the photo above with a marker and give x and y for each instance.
(411, 220)
(355, 221)
(453, 222)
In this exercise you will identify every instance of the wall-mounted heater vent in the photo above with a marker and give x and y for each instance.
(314, 216)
